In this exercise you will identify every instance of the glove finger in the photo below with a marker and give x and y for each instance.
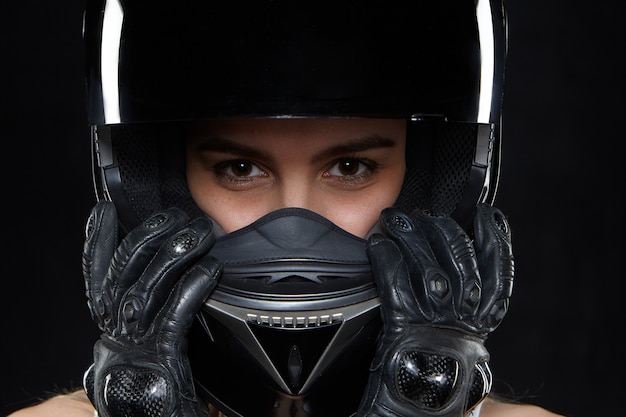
(391, 278)
(455, 253)
(148, 294)
(429, 282)
(495, 261)
(100, 243)
(134, 254)
(178, 313)
(175, 319)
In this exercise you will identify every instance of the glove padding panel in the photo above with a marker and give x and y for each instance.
(144, 296)
(441, 295)
(138, 393)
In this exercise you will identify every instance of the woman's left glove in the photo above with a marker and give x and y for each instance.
(441, 294)
(144, 295)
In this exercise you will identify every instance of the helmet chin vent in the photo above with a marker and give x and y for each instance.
(291, 321)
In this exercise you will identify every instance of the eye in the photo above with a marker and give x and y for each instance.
(348, 167)
(239, 168)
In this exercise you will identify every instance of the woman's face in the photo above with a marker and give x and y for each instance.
(346, 170)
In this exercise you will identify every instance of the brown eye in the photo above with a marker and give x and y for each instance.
(241, 168)
(240, 174)
(348, 167)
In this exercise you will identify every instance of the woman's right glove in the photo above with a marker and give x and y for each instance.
(144, 295)
(441, 295)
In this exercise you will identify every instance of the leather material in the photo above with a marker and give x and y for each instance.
(144, 295)
(441, 294)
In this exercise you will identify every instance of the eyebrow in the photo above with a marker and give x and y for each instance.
(356, 145)
(224, 145)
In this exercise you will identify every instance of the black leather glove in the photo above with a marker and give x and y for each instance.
(441, 295)
(144, 295)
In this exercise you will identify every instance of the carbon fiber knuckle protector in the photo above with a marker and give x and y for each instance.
(137, 393)
(433, 381)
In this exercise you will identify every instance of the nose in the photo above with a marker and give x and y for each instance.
(296, 193)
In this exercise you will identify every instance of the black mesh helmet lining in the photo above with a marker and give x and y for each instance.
(439, 160)
(151, 162)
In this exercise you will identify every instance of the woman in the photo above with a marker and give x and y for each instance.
(324, 163)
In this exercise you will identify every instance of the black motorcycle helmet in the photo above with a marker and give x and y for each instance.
(297, 331)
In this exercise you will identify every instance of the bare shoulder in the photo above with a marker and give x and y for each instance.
(493, 408)
(75, 404)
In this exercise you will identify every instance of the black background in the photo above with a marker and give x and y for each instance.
(561, 186)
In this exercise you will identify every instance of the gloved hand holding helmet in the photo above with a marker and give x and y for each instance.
(144, 295)
(441, 295)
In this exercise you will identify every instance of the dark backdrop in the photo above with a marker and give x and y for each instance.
(562, 184)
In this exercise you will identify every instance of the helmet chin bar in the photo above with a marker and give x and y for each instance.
(296, 305)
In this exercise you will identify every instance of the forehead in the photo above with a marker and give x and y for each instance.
(322, 130)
